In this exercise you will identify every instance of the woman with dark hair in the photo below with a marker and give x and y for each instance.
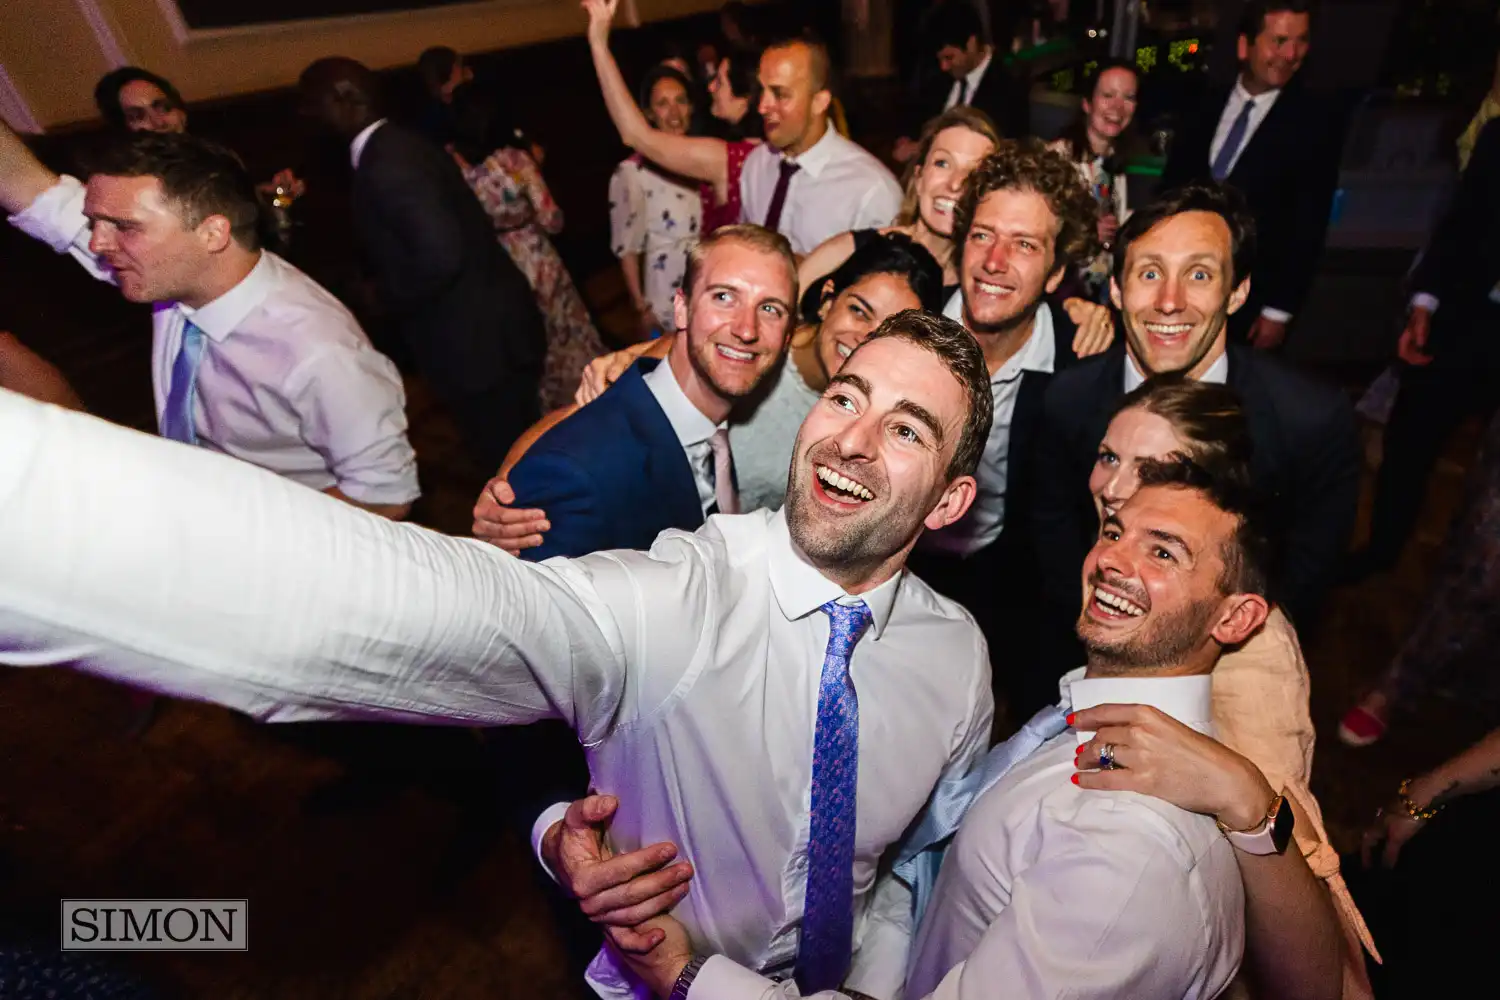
(654, 215)
(1092, 142)
(1260, 689)
(138, 100)
(509, 184)
(715, 162)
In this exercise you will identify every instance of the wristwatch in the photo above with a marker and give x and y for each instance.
(685, 979)
(1271, 835)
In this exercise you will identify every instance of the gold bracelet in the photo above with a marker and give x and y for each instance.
(1420, 815)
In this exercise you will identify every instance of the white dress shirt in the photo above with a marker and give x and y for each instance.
(1216, 373)
(974, 77)
(692, 428)
(287, 380)
(986, 517)
(839, 187)
(1051, 890)
(357, 147)
(690, 673)
(1232, 107)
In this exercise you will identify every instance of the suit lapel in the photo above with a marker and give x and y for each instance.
(1266, 142)
(667, 468)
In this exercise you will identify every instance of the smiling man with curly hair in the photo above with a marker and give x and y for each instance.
(1022, 220)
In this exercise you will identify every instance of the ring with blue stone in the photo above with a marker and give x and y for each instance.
(1107, 757)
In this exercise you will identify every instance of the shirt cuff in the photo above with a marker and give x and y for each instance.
(1276, 315)
(721, 978)
(1425, 300)
(56, 216)
(553, 814)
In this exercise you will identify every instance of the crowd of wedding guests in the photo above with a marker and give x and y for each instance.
(928, 444)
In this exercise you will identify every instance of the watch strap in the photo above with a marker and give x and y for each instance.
(685, 978)
(1271, 836)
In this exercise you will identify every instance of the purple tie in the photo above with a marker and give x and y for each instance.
(778, 197)
(827, 938)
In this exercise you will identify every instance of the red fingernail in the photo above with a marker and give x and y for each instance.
(1070, 718)
(1080, 749)
(1075, 779)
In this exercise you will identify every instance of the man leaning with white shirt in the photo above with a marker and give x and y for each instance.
(250, 357)
(795, 634)
(806, 181)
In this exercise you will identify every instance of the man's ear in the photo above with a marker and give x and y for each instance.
(216, 233)
(821, 101)
(1242, 617)
(1238, 296)
(1242, 49)
(1114, 293)
(957, 497)
(1056, 278)
(679, 310)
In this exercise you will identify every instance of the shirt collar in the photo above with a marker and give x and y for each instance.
(357, 147)
(801, 589)
(977, 74)
(820, 154)
(219, 317)
(1039, 354)
(1189, 700)
(688, 422)
(1262, 101)
(1217, 374)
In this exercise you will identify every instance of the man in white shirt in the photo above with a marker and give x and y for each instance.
(973, 74)
(806, 181)
(1051, 889)
(1022, 219)
(1280, 146)
(669, 665)
(250, 357)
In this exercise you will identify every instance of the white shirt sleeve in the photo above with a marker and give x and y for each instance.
(190, 573)
(352, 409)
(881, 204)
(1425, 300)
(56, 218)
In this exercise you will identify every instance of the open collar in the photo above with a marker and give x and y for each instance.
(801, 589)
(219, 318)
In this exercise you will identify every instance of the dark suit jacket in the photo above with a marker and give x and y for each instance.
(1287, 172)
(611, 476)
(1307, 462)
(1001, 95)
(1462, 261)
(455, 296)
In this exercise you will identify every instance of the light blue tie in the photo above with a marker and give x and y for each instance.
(828, 910)
(921, 853)
(177, 416)
(1232, 142)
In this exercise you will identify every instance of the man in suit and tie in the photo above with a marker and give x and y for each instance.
(652, 453)
(973, 74)
(1449, 349)
(455, 297)
(1277, 143)
(1183, 267)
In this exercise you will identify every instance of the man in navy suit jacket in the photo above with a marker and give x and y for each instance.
(1279, 145)
(639, 459)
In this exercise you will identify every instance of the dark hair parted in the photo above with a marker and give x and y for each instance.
(200, 178)
(954, 23)
(1197, 196)
(657, 75)
(959, 352)
(1253, 20)
(1075, 134)
(895, 254)
(107, 91)
(1027, 165)
(1246, 553)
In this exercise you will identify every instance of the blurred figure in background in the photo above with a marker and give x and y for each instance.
(509, 185)
(140, 101)
(655, 215)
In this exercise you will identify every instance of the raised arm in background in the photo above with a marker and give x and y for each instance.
(22, 176)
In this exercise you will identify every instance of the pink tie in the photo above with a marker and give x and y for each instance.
(725, 494)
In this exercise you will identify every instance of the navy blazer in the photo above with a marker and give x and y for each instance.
(611, 476)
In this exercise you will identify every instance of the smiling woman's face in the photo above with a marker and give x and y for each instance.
(853, 314)
(1133, 436)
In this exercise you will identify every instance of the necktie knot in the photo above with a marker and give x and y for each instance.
(847, 622)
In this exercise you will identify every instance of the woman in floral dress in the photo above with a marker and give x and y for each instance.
(509, 185)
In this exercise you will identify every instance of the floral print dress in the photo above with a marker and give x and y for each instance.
(658, 217)
(510, 187)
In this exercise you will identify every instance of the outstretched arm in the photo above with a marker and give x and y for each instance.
(22, 175)
(698, 157)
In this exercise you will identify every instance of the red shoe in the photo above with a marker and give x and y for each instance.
(1360, 727)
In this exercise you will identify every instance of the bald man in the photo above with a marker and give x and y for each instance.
(807, 181)
(456, 298)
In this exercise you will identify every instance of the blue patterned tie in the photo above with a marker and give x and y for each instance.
(921, 853)
(1232, 142)
(177, 416)
(828, 910)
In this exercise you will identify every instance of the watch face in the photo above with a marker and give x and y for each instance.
(1281, 827)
